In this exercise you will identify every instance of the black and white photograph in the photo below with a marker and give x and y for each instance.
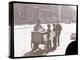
(42, 29)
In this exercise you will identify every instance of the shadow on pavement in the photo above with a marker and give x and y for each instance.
(38, 52)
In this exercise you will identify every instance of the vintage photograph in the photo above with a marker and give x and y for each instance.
(44, 29)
